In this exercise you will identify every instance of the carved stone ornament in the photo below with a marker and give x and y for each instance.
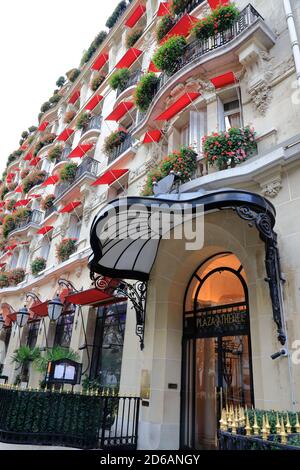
(272, 189)
(261, 95)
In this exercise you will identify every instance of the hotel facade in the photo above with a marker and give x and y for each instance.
(188, 331)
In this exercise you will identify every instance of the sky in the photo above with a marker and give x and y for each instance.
(40, 41)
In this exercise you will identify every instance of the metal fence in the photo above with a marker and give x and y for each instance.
(83, 421)
(229, 441)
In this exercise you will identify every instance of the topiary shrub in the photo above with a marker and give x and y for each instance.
(167, 57)
(54, 153)
(112, 141)
(69, 116)
(38, 265)
(48, 202)
(145, 91)
(120, 8)
(83, 120)
(133, 37)
(73, 74)
(24, 135)
(68, 172)
(164, 26)
(60, 81)
(66, 248)
(119, 79)
(97, 81)
(45, 106)
(55, 98)
(32, 129)
(87, 55)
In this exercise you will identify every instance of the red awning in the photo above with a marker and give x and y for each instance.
(74, 97)
(45, 230)
(2, 203)
(10, 176)
(182, 27)
(28, 157)
(110, 176)
(11, 247)
(80, 150)
(36, 196)
(65, 135)
(35, 161)
(128, 58)
(70, 207)
(214, 3)
(51, 180)
(223, 80)
(93, 102)
(24, 147)
(91, 297)
(19, 189)
(43, 126)
(135, 16)
(40, 309)
(164, 9)
(152, 68)
(152, 136)
(178, 106)
(2, 265)
(120, 111)
(22, 203)
(100, 61)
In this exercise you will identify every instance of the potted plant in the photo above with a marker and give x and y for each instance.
(8, 226)
(15, 276)
(24, 356)
(69, 116)
(55, 98)
(4, 282)
(119, 79)
(179, 6)
(167, 57)
(145, 91)
(184, 163)
(10, 204)
(112, 141)
(55, 354)
(118, 11)
(68, 172)
(22, 214)
(55, 153)
(3, 191)
(66, 248)
(133, 37)
(60, 81)
(38, 265)
(97, 80)
(48, 202)
(83, 120)
(164, 26)
(87, 55)
(229, 148)
(73, 74)
(45, 106)
(32, 179)
(221, 19)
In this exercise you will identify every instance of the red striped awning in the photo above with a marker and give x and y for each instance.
(110, 176)
(214, 3)
(120, 111)
(152, 136)
(80, 150)
(153, 68)
(128, 58)
(28, 156)
(164, 9)
(183, 27)
(135, 16)
(65, 135)
(225, 79)
(100, 61)
(70, 207)
(178, 106)
(45, 230)
(19, 189)
(93, 102)
(22, 203)
(35, 161)
(43, 126)
(40, 309)
(51, 180)
(74, 97)
(91, 297)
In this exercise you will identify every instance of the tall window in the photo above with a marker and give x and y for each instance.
(14, 259)
(64, 328)
(108, 344)
(229, 109)
(45, 248)
(33, 331)
(23, 257)
(74, 226)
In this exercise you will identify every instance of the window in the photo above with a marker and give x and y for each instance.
(45, 248)
(63, 332)
(74, 227)
(33, 331)
(232, 114)
(23, 257)
(185, 135)
(229, 109)
(14, 259)
(46, 165)
(108, 344)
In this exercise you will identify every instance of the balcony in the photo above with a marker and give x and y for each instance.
(65, 153)
(51, 210)
(133, 80)
(125, 145)
(34, 218)
(95, 123)
(88, 167)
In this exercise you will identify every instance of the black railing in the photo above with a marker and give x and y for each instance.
(229, 441)
(49, 211)
(68, 419)
(190, 7)
(64, 155)
(198, 48)
(88, 166)
(94, 123)
(132, 80)
(35, 218)
(125, 145)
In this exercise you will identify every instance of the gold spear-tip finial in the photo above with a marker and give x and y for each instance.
(277, 426)
(247, 427)
(255, 425)
(297, 425)
(283, 434)
(288, 424)
(264, 430)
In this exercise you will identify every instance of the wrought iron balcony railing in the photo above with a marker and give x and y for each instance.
(88, 166)
(34, 218)
(125, 145)
(132, 80)
(94, 123)
(49, 211)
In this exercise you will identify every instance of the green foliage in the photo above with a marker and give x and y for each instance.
(32, 129)
(68, 172)
(45, 106)
(73, 74)
(221, 19)
(164, 26)
(120, 8)
(24, 135)
(32, 179)
(167, 57)
(112, 141)
(66, 248)
(83, 120)
(69, 116)
(97, 81)
(93, 47)
(38, 265)
(11, 278)
(178, 6)
(48, 202)
(55, 98)
(60, 81)
(119, 79)
(54, 354)
(54, 153)
(133, 37)
(3, 191)
(184, 163)
(227, 149)
(24, 355)
(10, 204)
(145, 91)
(8, 226)
(4, 281)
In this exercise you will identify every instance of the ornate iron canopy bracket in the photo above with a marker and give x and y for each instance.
(136, 293)
(263, 224)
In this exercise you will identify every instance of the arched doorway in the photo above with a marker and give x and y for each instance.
(216, 362)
